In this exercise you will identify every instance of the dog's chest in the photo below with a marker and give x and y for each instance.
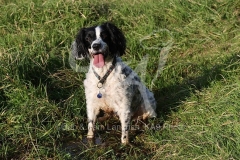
(113, 91)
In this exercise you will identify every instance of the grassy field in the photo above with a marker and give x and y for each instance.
(193, 68)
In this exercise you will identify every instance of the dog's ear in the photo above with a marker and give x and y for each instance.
(79, 47)
(118, 40)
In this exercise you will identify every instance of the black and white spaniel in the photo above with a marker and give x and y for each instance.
(111, 85)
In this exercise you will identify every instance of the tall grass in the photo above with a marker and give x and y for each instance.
(42, 102)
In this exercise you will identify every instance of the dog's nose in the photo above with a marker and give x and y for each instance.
(96, 46)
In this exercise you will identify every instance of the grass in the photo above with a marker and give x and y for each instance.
(42, 103)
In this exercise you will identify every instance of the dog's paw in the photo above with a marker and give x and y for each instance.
(90, 136)
(124, 140)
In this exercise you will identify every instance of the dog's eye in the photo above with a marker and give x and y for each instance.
(89, 36)
(104, 35)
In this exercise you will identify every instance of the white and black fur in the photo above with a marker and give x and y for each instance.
(122, 93)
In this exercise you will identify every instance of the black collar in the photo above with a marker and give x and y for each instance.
(103, 79)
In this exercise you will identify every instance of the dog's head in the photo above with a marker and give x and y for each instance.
(98, 43)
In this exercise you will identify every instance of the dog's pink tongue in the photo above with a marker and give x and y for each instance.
(98, 60)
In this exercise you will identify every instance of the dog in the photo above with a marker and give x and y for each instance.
(110, 84)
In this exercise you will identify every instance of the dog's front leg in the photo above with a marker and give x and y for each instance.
(92, 114)
(125, 121)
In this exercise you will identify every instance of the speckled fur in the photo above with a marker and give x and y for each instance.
(122, 93)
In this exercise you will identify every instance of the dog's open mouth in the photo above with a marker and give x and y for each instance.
(98, 60)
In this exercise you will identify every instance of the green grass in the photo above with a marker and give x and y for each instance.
(42, 102)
